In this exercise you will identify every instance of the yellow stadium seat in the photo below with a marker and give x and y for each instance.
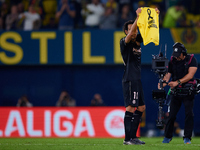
(49, 6)
(26, 4)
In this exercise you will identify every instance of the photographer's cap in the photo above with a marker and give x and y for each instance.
(178, 48)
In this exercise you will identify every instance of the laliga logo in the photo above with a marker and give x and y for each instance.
(114, 123)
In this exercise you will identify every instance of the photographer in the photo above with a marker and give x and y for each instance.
(65, 100)
(23, 101)
(182, 68)
(97, 100)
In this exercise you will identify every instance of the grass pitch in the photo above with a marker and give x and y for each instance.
(94, 144)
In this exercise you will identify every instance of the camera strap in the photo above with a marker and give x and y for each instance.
(188, 61)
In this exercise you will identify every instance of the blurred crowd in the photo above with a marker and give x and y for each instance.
(64, 100)
(87, 14)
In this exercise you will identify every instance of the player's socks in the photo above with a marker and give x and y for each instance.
(138, 113)
(135, 120)
(127, 125)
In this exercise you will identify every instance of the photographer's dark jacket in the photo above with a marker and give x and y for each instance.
(131, 58)
(179, 69)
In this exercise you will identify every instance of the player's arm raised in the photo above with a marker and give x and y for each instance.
(133, 29)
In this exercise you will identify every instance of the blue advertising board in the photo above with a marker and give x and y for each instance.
(71, 47)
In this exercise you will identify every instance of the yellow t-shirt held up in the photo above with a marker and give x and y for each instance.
(148, 23)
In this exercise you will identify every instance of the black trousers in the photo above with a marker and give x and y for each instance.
(175, 105)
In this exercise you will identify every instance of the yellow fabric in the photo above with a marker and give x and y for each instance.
(49, 6)
(148, 23)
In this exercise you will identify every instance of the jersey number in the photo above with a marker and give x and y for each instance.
(135, 95)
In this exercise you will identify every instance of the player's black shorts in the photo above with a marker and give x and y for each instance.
(133, 93)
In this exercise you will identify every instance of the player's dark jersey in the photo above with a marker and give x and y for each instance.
(131, 58)
(177, 68)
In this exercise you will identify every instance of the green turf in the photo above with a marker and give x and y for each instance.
(93, 144)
